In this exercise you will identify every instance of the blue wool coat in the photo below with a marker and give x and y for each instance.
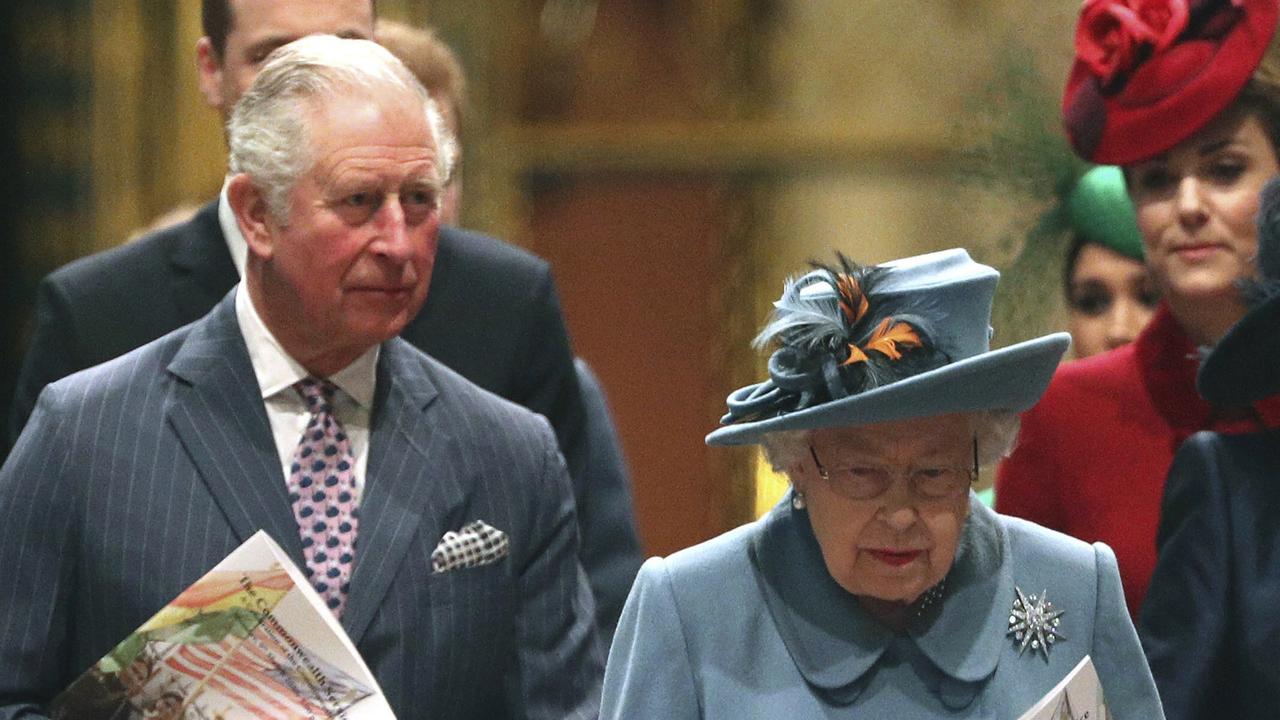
(751, 625)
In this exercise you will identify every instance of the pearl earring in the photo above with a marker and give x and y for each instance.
(797, 500)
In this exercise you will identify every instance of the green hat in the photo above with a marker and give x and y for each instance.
(1101, 211)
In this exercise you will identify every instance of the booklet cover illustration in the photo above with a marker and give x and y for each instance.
(250, 639)
(1077, 697)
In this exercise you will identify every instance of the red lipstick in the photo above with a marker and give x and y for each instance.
(896, 558)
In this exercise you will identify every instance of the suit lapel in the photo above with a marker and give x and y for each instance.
(410, 476)
(218, 414)
(203, 270)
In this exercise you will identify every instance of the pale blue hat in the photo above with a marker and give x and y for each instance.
(901, 340)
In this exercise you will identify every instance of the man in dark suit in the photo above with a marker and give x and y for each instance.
(493, 314)
(294, 407)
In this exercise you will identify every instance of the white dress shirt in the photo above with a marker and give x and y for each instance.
(277, 372)
(236, 243)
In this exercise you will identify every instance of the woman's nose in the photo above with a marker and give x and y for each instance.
(1190, 203)
(898, 508)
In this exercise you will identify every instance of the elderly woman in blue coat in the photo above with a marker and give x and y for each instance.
(879, 586)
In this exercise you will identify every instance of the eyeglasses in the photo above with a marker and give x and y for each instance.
(864, 482)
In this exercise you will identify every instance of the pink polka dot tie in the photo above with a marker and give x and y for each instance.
(322, 488)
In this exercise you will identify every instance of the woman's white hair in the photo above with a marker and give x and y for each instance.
(269, 133)
(995, 430)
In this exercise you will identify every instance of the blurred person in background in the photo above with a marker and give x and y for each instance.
(1109, 291)
(436, 66)
(1186, 99)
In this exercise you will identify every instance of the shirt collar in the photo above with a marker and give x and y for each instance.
(277, 371)
(834, 643)
(236, 244)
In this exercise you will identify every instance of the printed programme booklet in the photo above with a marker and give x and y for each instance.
(250, 639)
(1077, 697)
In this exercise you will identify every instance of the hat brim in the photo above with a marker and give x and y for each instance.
(1011, 378)
(1242, 368)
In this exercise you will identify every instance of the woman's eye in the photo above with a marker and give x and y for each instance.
(1226, 171)
(1153, 179)
(1091, 301)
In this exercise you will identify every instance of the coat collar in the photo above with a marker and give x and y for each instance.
(414, 478)
(219, 417)
(834, 643)
(1168, 361)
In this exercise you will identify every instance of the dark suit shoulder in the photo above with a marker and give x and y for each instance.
(483, 251)
(119, 275)
(125, 373)
(1242, 463)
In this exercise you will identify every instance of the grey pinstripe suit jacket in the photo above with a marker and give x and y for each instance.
(136, 476)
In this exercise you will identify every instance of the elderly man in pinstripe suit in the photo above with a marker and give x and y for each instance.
(436, 519)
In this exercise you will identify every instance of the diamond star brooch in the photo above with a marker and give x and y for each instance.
(1033, 623)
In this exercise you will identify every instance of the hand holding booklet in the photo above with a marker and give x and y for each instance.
(250, 639)
(1077, 697)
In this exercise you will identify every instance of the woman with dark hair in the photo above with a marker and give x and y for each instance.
(1109, 291)
(1184, 95)
(879, 586)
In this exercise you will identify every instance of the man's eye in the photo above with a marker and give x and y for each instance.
(358, 199)
(420, 197)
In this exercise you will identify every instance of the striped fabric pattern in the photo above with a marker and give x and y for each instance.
(135, 477)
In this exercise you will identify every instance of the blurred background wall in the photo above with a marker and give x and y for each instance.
(673, 159)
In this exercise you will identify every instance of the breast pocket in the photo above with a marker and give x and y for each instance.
(486, 585)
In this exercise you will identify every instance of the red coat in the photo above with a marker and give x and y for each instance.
(1093, 454)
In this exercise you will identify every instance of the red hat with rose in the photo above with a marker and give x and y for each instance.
(1149, 73)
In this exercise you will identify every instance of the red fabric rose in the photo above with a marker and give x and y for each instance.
(1111, 33)
(1166, 19)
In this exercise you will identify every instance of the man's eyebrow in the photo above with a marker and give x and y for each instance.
(269, 43)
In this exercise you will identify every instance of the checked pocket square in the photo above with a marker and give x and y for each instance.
(477, 543)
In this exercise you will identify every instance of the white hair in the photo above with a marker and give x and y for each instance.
(995, 430)
(268, 132)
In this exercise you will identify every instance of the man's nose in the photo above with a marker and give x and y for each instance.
(393, 231)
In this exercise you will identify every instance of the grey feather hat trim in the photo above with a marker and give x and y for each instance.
(859, 345)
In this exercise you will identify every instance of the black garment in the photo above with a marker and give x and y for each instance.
(612, 556)
(492, 315)
(1209, 624)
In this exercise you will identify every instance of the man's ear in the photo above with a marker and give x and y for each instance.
(209, 64)
(253, 215)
